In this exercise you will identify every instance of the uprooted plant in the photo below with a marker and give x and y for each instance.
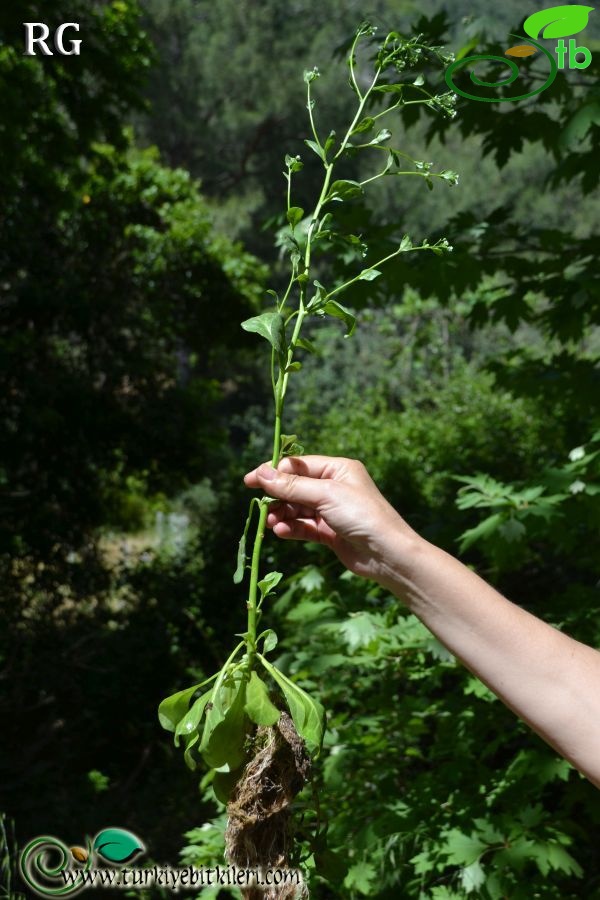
(250, 723)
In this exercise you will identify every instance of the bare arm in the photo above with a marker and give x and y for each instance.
(548, 679)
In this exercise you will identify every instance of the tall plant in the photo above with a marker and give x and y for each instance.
(249, 722)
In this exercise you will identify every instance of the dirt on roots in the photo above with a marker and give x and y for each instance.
(258, 834)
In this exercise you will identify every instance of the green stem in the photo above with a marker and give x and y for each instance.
(279, 390)
(379, 262)
(260, 533)
(310, 114)
(351, 62)
(280, 385)
(356, 118)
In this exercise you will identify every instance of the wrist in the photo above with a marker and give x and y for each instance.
(399, 559)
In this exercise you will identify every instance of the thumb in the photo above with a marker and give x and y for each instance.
(295, 488)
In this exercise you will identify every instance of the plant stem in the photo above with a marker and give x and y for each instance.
(279, 390)
(285, 359)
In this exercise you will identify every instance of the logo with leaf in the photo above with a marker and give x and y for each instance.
(45, 859)
(556, 22)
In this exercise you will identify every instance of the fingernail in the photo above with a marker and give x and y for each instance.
(267, 472)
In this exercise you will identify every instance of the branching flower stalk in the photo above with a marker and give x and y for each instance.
(219, 725)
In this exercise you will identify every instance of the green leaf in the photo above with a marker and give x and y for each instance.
(472, 877)
(174, 708)
(219, 700)
(306, 345)
(270, 640)
(345, 189)
(483, 530)
(241, 555)
(419, 80)
(380, 138)
(369, 275)
(359, 630)
(269, 325)
(188, 756)
(289, 445)
(311, 74)
(316, 148)
(308, 714)
(361, 877)
(286, 440)
(189, 723)
(293, 367)
(269, 582)
(406, 243)
(558, 21)
(295, 214)
(329, 142)
(364, 125)
(224, 732)
(117, 844)
(258, 703)
(333, 308)
(512, 530)
(460, 849)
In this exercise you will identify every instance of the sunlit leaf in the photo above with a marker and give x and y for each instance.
(174, 708)
(369, 275)
(269, 325)
(225, 726)
(270, 640)
(189, 723)
(259, 707)
(344, 189)
(269, 582)
(307, 713)
(333, 308)
(361, 877)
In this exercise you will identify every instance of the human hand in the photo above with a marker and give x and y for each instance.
(334, 501)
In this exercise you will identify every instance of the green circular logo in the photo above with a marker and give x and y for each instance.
(514, 74)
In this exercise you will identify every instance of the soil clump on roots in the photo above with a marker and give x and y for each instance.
(259, 829)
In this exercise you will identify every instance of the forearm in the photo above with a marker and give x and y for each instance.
(548, 679)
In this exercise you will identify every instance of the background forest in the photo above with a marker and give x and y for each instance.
(140, 214)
